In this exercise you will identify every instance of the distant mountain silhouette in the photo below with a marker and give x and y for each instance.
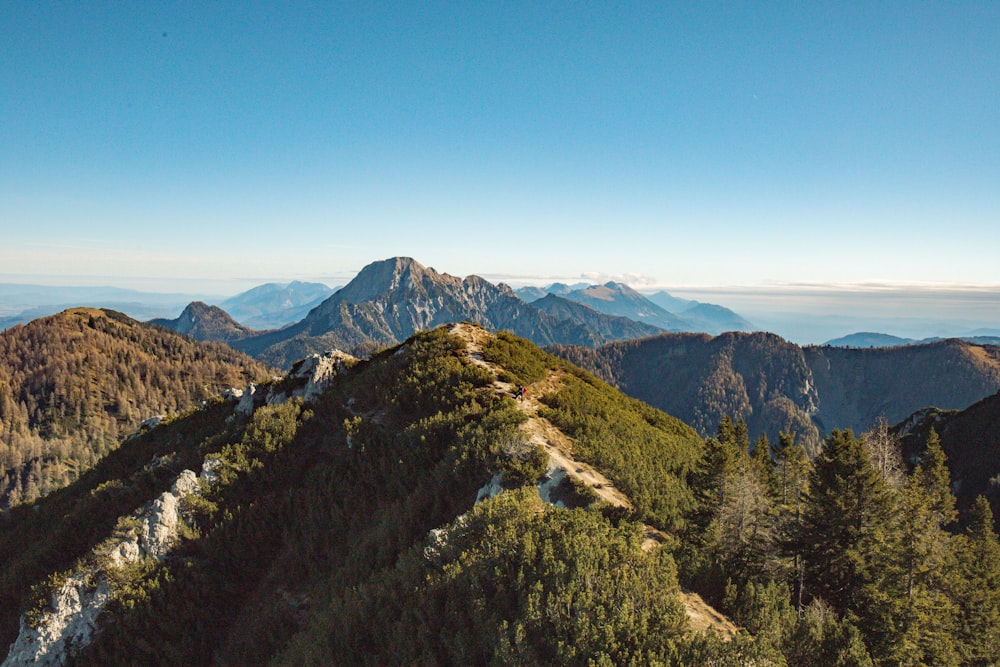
(715, 319)
(274, 305)
(608, 327)
(670, 302)
(621, 300)
(204, 322)
(660, 310)
(869, 339)
(390, 300)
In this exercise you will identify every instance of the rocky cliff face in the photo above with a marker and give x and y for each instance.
(777, 386)
(68, 621)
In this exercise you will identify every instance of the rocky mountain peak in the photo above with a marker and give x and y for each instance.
(386, 276)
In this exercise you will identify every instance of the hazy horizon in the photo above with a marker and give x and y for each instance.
(733, 150)
(802, 313)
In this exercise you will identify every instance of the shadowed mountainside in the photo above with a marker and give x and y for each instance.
(971, 440)
(777, 386)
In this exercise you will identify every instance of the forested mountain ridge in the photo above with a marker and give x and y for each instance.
(759, 378)
(777, 386)
(417, 512)
(356, 508)
(971, 440)
(72, 385)
(856, 386)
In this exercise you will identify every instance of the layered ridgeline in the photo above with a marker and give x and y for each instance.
(408, 509)
(660, 310)
(389, 301)
(73, 385)
(341, 527)
(777, 386)
(273, 305)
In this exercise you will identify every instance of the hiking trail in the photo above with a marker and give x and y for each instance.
(559, 447)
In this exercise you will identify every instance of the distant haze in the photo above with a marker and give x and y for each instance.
(209, 148)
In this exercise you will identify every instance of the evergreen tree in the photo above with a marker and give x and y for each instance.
(845, 531)
(791, 476)
(920, 604)
(978, 592)
(763, 463)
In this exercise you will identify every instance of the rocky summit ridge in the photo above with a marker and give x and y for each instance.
(390, 300)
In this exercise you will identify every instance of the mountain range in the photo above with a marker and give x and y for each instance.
(777, 386)
(871, 339)
(274, 305)
(412, 508)
(390, 300)
(267, 306)
(614, 298)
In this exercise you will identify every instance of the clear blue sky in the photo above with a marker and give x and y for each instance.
(219, 145)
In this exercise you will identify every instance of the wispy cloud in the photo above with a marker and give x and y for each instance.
(630, 279)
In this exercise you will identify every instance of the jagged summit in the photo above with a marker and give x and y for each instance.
(389, 275)
(390, 300)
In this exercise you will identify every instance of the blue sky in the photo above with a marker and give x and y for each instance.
(734, 147)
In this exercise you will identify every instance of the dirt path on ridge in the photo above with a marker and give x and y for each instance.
(541, 431)
(559, 447)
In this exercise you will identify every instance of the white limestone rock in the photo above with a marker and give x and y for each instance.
(492, 488)
(68, 623)
(246, 404)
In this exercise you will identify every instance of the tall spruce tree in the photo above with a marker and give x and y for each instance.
(978, 593)
(920, 610)
(791, 475)
(846, 528)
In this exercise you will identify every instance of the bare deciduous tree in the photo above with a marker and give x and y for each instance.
(885, 450)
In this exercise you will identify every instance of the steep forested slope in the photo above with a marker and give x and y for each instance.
(73, 384)
(777, 386)
(856, 386)
(417, 512)
(757, 377)
(970, 438)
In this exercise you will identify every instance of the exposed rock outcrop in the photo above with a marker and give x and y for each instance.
(307, 379)
(69, 621)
